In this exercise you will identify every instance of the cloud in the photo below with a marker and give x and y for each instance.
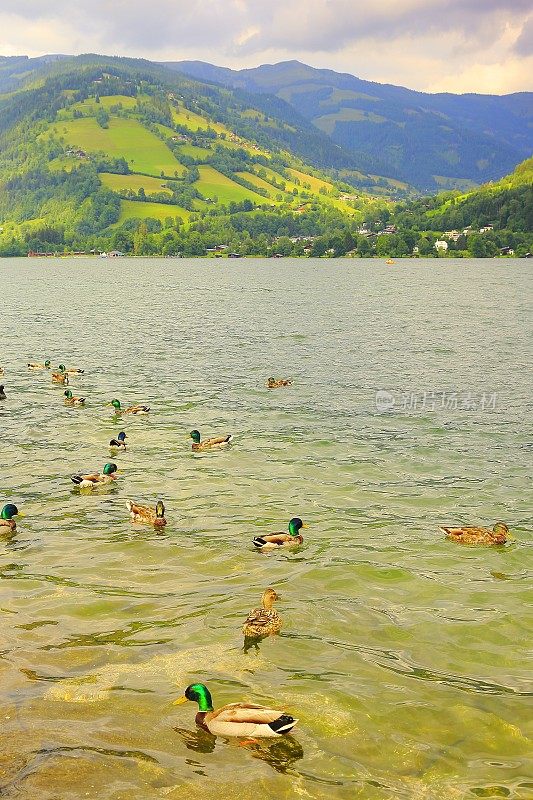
(421, 43)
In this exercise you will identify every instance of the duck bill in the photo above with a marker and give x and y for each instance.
(179, 701)
(305, 526)
(19, 515)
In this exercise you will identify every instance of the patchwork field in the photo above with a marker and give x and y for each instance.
(213, 184)
(315, 183)
(143, 151)
(262, 184)
(118, 183)
(131, 209)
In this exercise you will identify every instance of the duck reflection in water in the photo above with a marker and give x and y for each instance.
(281, 753)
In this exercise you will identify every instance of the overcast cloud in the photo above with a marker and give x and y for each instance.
(434, 45)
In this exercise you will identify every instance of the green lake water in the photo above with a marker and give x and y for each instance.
(404, 656)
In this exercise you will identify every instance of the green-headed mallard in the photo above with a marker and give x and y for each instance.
(119, 443)
(7, 523)
(108, 475)
(289, 539)
(236, 719)
(37, 365)
(214, 443)
(3, 395)
(70, 400)
(60, 375)
(471, 534)
(277, 383)
(131, 410)
(263, 621)
(150, 516)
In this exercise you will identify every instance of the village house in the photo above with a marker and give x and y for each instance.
(486, 228)
(452, 235)
(441, 244)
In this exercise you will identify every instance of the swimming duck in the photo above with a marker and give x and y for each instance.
(150, 516)
(282, 539)
(272, 383)
(3, 395)
(60, 376)
(70, 400)
(37, 365)
(131, 410)
(263, 621)
(471, 534)
(119, 442)
(209, 444)
(7, 523)
(236, 719)
(108, 474)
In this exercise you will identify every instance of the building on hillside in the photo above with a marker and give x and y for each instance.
(441, 245)
(486, 229)
(451, 235)
(507, 251)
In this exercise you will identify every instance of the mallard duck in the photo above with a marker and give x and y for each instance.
(108, 474)
(74, 371)
(272, 383)
(131, 410)
(37, 365)
(150, 516)
(263, 621)
(3, 395)
(282, 539)
(236, 719)
(471, 534)
(209, 444)
(70, 400)
(60, 376)
(7, 523)
(119, 442)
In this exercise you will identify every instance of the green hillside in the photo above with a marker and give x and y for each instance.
(431, 141)
(122, 154)
(102, 153)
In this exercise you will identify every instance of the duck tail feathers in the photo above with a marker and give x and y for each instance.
(283, 724)
(128, 505)
(259, 541)
(229, 438)
(77, 479)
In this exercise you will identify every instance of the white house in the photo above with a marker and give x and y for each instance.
(440, 244)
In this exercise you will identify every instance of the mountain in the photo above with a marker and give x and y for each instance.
(101, 152)
(431, 141)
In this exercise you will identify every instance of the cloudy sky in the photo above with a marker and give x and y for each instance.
(433, 45)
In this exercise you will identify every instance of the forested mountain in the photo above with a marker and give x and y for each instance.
(100, 153)
(429, 140)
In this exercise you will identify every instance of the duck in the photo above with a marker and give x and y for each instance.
(60, 376)
(7, 523)
(293, 537)
(36, 365)
(130, 410)
(2, 371)
(119, 442)
(236, 719)
(108, 474)
(150, 516)
(3, 395)
(263, 621)
(209, 444)
(74, 371)
(70, 400)
(273, 383)
(471, 534)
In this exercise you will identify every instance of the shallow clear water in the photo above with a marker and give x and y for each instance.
(403, 655)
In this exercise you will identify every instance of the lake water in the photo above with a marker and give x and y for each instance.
(403, 655)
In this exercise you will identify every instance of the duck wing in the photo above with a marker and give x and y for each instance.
(217, 440)
(137, 510)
